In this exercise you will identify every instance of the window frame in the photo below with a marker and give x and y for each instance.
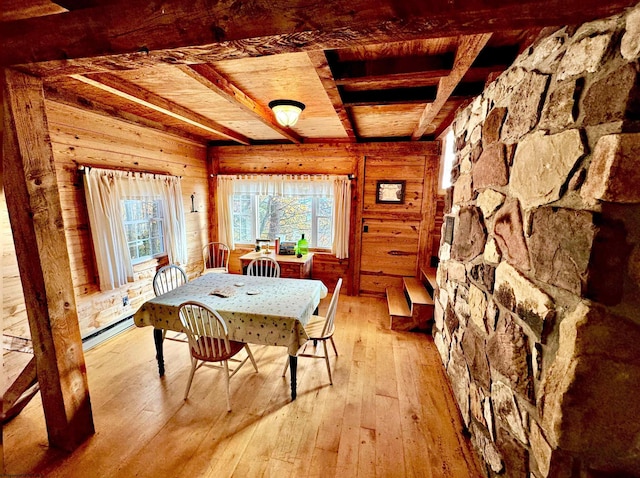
(149, 220)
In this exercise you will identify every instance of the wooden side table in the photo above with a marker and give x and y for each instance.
(290, 266)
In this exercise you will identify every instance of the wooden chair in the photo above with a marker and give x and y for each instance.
(216, 257)
(209, 342)
(166, 279)
(264, 266)
(320, 329)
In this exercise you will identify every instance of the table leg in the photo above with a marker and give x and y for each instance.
(157, 338)
(293, 367)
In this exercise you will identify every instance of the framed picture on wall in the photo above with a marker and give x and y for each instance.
(390, 192)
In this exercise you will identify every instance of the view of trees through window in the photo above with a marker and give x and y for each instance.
(142, 220)
(268, 217)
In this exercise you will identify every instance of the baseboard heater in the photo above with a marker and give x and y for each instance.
(98, 336)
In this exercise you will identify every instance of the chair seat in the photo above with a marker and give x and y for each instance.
(216, 270)
(315, 326)
(206, 343)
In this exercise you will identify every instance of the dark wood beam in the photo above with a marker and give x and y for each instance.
(321, 64)
(391, 81)
(35, 212)
(207, 75)
(129, 91)
(469, 48)
(202, 31)
(408, 64)
(425, 94)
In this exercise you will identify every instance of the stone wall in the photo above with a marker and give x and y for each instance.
(538, 311)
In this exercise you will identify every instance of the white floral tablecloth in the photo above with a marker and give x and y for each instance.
(260, 310)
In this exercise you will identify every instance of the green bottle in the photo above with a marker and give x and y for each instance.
(303, 246)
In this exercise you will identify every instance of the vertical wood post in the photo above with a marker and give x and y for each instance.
(429, 202)
(212, 197)
(35, 212)
(357, 204)
(2, 374)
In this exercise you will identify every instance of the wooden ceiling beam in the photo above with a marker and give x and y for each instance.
(321, 64)
(206, 75)
(469, 48)
(124, 89)
(70, 98)
(185, 31)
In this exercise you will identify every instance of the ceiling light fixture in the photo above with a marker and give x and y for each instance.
(287, 112)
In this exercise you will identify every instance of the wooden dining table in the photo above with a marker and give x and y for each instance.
(257, 310)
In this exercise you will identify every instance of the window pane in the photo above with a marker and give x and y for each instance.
(145, 248)
(242, 229)
(156, 246)
(284, 217)
(325, 207)
(130, 231)
(324, 232)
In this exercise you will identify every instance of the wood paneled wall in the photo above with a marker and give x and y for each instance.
(80, 137)
(399, 238)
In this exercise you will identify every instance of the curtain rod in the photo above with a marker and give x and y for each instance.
(82, 167)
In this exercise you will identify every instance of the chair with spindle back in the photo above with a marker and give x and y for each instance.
(264, 266)
(166, 279)
(209, 343)
(216, 257)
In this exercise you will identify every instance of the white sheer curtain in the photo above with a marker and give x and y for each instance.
(338, 187)
(107, 229)
(284, 185)
(341, 217)
(104, 190)
(224, 197)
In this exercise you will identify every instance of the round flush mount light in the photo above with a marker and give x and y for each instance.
(286, 112)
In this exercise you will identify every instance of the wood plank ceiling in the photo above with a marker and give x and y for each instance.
(359, 90)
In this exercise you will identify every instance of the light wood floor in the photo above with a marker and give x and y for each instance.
(390, 412)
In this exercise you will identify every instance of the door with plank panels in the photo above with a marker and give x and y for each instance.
(390, 233)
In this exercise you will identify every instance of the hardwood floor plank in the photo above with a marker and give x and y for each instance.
(390, 412)
(389, 445)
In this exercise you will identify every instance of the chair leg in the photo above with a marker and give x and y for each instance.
(246, 347)
(194, 364)
(326, 359)
(226, 376)
(334, 345)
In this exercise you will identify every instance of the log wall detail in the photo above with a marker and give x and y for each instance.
(80, 137)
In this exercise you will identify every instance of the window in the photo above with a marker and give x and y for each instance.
(449, 157)
(133, 217)
(266, 206)
(142, 219)
(259, 216)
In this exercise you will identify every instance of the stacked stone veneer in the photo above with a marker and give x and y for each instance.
(538, 308)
